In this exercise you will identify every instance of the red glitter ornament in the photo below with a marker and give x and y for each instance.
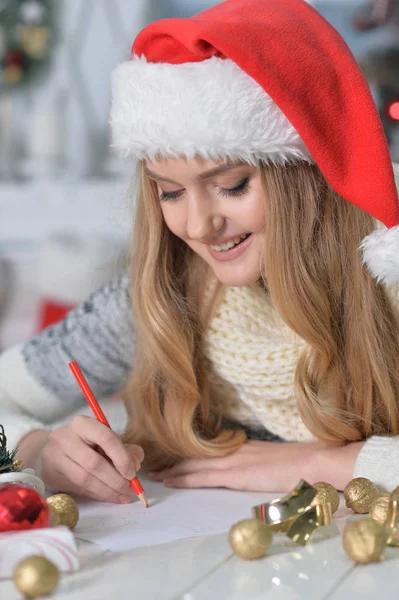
(21, 507)
(14, 58)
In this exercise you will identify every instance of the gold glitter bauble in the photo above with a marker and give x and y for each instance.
(364, 540)
(54, 516)
(36, 576)
(360, 494)
(326, 493)
(12, 74)
(250, 539)
(34, 41)
(379, 508)
(66, 508)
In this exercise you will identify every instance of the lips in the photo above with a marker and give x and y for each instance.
(233, 252)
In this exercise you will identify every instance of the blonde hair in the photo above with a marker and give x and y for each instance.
(347, 382)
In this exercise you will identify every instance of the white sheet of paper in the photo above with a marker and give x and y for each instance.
(174, 514)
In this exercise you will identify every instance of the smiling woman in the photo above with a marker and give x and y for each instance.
(217, 209)
(261, 304)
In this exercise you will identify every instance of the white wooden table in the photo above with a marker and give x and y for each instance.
(205, 568)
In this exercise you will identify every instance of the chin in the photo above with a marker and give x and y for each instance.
(236, 279)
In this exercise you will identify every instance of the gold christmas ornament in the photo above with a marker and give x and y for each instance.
(35, 41)
(392, 521)
(54, 516)
(326, 493)
(66, 508)
(360, 494)
(306, 523)
(36, 576)
(379, 508)
(12, 74)
(282, 527)
(280, 510)
(364, 540)
(250, 539)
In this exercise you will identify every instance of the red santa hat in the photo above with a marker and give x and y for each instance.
(261, 80)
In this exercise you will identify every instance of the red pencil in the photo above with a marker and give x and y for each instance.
(98, 413)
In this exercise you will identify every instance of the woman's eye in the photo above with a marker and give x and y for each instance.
(237, 190)
(170, 195)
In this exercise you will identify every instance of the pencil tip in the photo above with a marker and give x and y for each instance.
(143, 500)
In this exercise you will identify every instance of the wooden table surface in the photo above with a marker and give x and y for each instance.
(204, 568)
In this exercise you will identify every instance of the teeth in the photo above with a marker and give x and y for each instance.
(229, 244)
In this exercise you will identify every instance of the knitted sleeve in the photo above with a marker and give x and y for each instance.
(37, 387)
(378, 460)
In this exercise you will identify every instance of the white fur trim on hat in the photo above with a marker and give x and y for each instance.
(381, 254)
(381, 249)
(210, 108)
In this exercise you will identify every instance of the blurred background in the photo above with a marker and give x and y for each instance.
(64, 212)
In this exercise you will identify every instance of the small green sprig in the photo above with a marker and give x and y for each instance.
(8, 464)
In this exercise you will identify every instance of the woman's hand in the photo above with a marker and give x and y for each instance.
(265, 467)
(86, 458)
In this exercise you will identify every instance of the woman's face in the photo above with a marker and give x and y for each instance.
(218, 210)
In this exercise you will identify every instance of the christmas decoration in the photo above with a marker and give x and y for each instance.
(307, 508)
(36, 576)
(282, 527)
(392, 521)
(288, 507)
(26, 32)
(7, 462)
(250, 539)
(296, 514)
(306, 523)
(21, 507)
(55, 518)
(379, 508)
(360, 493)
(66, 509)
(12, 471)
(364, 540)
(35, 40)
(326, 493)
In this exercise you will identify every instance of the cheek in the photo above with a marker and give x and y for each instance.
(254, 214)
(174, 218)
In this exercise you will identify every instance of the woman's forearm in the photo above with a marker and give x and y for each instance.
(335, 464)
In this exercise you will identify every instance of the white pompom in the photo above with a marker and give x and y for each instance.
(381, 254)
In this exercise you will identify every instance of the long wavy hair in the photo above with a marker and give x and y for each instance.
(347, 377)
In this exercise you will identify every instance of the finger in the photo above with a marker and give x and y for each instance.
(95, 433)
(98, 466)
(137, 455)
(71, 477)
(204, 479)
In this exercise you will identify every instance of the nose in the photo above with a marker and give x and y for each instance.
(202, 220)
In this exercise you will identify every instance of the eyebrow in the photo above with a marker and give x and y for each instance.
(205, 175)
